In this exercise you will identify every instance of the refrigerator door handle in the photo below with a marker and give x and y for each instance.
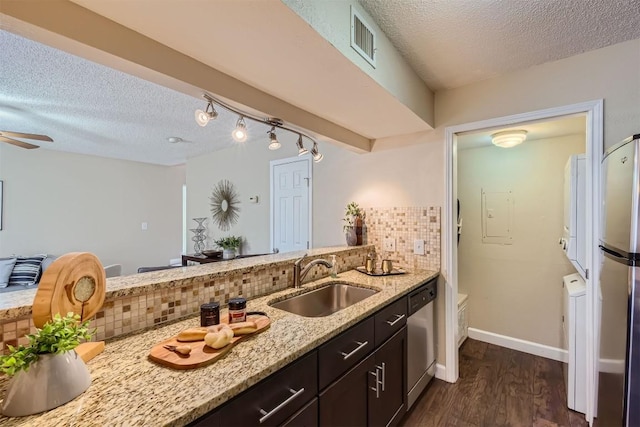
(612, 253)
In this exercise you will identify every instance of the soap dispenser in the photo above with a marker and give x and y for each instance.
(334, 267)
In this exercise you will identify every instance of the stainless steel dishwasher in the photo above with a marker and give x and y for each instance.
(421, 357)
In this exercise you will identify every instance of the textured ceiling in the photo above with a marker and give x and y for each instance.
(91, 109)
(451, 43)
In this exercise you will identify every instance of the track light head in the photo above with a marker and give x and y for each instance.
(239, 134)
(301, 150)
(274, 144)
(317, 156)
(204, 117)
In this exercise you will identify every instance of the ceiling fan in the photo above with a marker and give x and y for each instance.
(8, 137)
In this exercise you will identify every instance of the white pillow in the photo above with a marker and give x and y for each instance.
(6, 267)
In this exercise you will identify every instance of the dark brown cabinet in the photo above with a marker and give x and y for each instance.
(305, 417)
(390, 320)
(344, 351)
(387, 398)
(371, 394)
(357, 378)
(274, 400)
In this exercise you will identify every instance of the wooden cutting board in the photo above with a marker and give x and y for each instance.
(201, 354)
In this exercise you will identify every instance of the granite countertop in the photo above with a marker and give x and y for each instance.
(128, 389)
(18, 304)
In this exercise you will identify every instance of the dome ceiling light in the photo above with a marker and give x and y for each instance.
(509, 138)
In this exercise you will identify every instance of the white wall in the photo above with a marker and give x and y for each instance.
(331, 19)
(383, 178)
(516, 290)
(410, 170)
(57, 202)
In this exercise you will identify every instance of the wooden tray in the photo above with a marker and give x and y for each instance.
(393, 272)
(201, 354)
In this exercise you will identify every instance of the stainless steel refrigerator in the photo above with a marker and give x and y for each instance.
(619, 288)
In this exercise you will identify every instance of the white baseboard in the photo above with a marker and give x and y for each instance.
(536, 349)
(440, 372)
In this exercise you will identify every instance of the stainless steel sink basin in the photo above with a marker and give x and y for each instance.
(324, 301)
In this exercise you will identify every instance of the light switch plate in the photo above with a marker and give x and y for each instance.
(418, 247)
(389, 244)
(145, 226)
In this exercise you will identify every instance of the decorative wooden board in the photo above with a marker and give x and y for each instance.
(201, 354)
(75, 282)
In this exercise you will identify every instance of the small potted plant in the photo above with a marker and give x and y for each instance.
(229, 246)
(47, 372)
(353, 220)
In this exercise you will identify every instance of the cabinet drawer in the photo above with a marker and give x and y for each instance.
(305, 417)
(390, 320)
(275, 399)
(344, 351)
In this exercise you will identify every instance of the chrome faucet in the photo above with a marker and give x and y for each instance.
(299, 273)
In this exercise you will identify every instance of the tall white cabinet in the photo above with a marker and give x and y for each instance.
(573, 240)
(575, 340)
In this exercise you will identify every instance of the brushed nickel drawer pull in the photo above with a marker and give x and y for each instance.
(345, 356)
(399, 317)
(267, 415)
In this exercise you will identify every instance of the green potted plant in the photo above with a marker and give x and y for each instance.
(229, 246)
(47, 372)
(353, 221)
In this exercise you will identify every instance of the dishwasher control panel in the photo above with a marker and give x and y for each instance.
(422, 296)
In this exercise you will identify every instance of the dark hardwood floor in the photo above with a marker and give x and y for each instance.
(497, 387)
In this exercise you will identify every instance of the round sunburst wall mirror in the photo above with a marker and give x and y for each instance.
(224, 205)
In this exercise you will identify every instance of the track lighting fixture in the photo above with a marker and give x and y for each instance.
(317, 156)
(274, 144)
(240, 134)
(301, 150)
(204, 117)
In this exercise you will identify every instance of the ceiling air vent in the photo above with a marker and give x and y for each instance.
(363, 38)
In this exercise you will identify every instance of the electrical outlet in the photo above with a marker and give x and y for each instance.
(389, 244)
(418, 247)
(145, 226)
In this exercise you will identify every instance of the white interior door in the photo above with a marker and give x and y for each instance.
(291, 204)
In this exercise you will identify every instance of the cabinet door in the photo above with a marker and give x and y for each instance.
(344, 403)
(388, 403)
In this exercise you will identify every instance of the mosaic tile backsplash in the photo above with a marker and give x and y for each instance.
(131, 313)
(405, 225)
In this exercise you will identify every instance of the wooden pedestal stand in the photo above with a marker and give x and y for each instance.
(75, 282)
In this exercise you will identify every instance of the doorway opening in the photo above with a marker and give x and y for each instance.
(592, 111)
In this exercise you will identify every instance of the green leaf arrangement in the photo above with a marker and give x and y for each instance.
(59, 335)
(231, 242)
(352, 211)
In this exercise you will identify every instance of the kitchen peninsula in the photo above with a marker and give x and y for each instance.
(129, 389)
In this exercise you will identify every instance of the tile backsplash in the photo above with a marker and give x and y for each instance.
(405, 225)
(126, 314)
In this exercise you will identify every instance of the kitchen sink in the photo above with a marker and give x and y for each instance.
(324, 301)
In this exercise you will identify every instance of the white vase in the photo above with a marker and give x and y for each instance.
(53, 380)
(228, 253)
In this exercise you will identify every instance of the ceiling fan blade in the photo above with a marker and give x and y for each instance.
(18, 143)
(26, 135)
